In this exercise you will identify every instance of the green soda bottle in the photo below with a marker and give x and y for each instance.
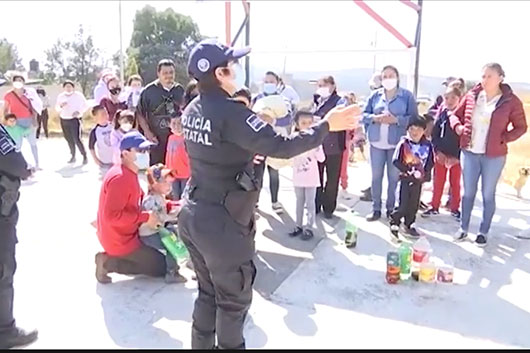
(351, 235)
(173, 244)
(405, 259)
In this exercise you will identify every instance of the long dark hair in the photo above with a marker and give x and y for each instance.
(188, 97)
(129, 114)
(209, 81)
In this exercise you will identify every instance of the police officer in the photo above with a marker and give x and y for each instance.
(13, 168)
(217, 221)
(159, 102)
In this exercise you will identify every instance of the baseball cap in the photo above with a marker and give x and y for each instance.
(448, 80)
(134, 139)
(158, 172)
(209, 54)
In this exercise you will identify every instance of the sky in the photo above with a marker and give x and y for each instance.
(458, 37)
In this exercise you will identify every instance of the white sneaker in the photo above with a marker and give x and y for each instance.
(277, 207)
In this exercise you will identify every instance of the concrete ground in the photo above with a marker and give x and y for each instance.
(315, 294)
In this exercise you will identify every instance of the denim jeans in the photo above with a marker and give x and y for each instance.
(378, 159)
(489, 169)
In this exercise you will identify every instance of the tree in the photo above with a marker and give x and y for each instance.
(132, 67)
(162, 35)
(56, 64)
(76, 60)
(9, 59)
(83, 61)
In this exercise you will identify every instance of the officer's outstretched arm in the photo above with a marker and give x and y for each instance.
(249, 131)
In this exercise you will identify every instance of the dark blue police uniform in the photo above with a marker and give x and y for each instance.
(13, 168)
(217, 221)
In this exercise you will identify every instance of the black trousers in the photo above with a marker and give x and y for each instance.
(42, 119)
(8, 266)
(409, 202)
(143, 261)
(157, 154)
(72, 134)
(327, 194)
(221, 251)
(274, 179)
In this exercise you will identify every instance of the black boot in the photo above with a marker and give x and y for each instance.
(18, 338)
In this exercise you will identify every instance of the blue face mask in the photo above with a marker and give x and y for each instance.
(270, 88)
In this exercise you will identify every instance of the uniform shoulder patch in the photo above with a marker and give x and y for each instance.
(256, 123)
(6, 145)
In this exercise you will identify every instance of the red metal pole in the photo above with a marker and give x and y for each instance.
(383, 23)
(411, 4)
(228, 22)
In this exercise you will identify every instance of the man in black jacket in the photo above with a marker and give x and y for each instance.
(13, 169)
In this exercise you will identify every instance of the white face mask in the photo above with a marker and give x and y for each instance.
(18, 85)
(142, 160)
(389, 83)
(126, 127)
(239, 76)
(323, 92)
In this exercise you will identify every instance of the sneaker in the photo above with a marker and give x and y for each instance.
(296, 232)
(430, 212)
(85, 160)
(481, 241)
(18, 338)
(460, 236)
(72, 160)
(423, 206)
(374, 216)
(388, 214)
(394, 231)
(308, 234)
(412, 232)
(277, 207)
(456, 214)
(175, 277)
(366, 198)
(101, 272)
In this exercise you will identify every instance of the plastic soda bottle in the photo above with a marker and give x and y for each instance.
(351, 235)
(405, 259)
(173, 244)
(420, 253)
(392, 267)
(427, 272)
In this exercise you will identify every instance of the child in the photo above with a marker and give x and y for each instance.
(429, 120)
(15, 131)
(158, 179)
(414, 159)
(99, 140)
(306, 179)
(177, 158)
(446, 156)
(244, 96)
(123, 123)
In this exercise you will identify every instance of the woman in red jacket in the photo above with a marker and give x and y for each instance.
(483, 121)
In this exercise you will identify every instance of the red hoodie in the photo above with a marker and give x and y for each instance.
(509, 111)
(119, 212)
(177, 157)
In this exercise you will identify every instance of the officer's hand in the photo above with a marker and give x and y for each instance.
(343, 118)
(153, 221)
(258, 159)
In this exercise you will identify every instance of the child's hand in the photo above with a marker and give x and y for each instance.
(258, 159)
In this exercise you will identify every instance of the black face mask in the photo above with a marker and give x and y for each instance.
(115, 91)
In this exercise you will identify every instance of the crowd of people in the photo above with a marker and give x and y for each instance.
(149, 129)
